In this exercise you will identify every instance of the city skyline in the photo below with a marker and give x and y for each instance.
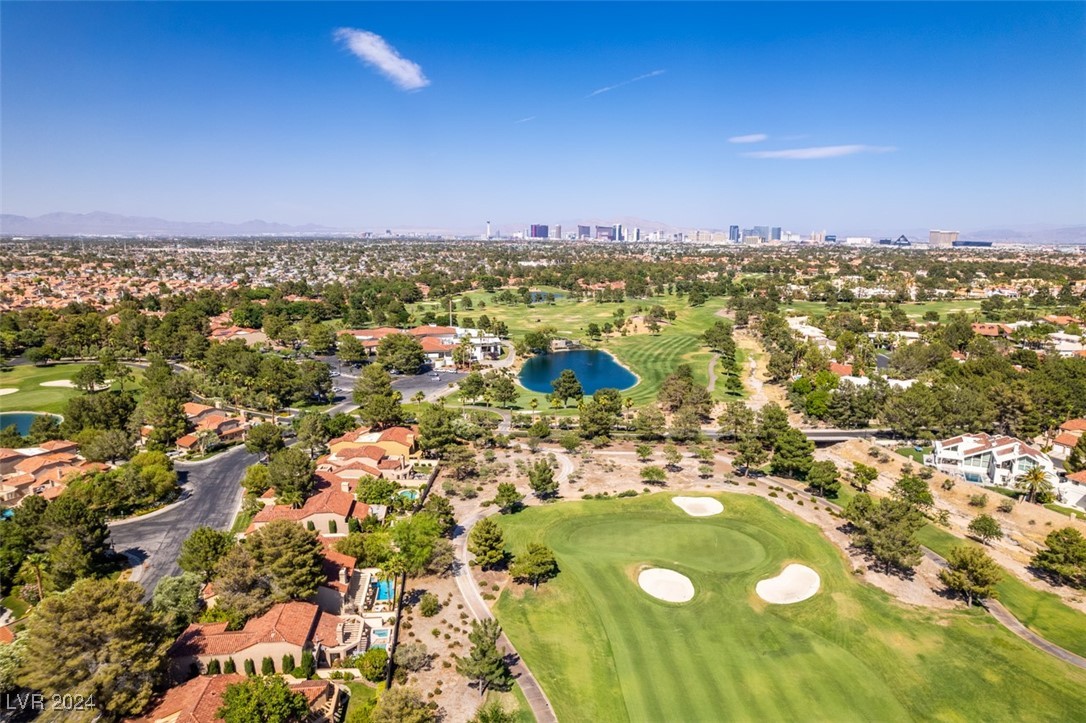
(811, 115)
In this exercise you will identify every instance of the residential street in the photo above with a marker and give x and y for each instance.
(211, 495)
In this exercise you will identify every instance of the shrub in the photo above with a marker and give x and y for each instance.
(948, 484)
(332, 527)
(372, 664)
(310, 526)
(429, 605)
(308, 667)
(980, 500)
(288, 663)
(267, 666)
(250, 668)
(229, 667)
(1006, 505)
(214, 667)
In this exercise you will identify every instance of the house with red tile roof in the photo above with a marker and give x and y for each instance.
(329, 509)
(42, 470)
(198, 700)
(286, 629)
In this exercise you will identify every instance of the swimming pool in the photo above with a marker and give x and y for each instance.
(973, 477)
(384, 590)
(409, 494)
(381, 633)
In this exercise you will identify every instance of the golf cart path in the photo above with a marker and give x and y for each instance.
(465, 581)
(712, 372)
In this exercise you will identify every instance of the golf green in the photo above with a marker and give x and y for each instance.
(605, 650)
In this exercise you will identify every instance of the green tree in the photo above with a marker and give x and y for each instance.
(863, 475)
(266, 698)
(1035, 484)
(402, 705)
(321, 339)
(649, 424)
(350, 350)
(751, 453)
(429, 605)
(535, 565)
(971, 573)
(886, 531)
(89, 378)
(437, 428)
(735, 418)
(487, 543)
(265, 439)
(177, 601)
(401, 352)
(442, 511)
(242, 589)
(289, 556)
(1064, 556)
(415, 538)
(507, 498)
(1076, 460)
(914, 491)
(653, 475)
(567, 386)
(107, 445)
(772, 423)
(312, 432)
(596, 419)
(823, 476)
(986, 528)
(485, 665)
(542, 480)
(290, 473)
(202, 550)
(379, 403)
(793, 454)
(105, 617)
(472, 387)
(372, 664)
(493, 712)
(644, 452)
(501, 389)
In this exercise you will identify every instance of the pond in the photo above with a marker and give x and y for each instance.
(539, 297)
(594, 368)
(21, 420)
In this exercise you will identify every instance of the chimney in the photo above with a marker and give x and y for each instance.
(344, 486)
(342, 575)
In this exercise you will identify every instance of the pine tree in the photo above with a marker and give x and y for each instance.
(487, 543)
(541, 478)
(484, 664)
(535, 565)
(971, 573)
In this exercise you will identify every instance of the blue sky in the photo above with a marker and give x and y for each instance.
(874, 116)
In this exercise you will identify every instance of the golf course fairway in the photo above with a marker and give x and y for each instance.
(604, 650)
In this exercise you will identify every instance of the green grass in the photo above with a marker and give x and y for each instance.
(914, 310)
(513, 702)
(16, 605)
(1040, 611)
(912, 454)
(604, 650)
(1056, 507)
(33, 397)
(650, 357)
(363, 698)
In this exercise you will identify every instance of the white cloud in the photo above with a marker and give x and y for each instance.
(752, 138)
(372, 49)
(820, 152)
(605, 89)
(525, 120)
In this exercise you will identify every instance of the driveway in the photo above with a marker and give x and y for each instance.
(211, 495)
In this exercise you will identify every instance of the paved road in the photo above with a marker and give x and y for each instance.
(407, 386)
(212, 495)
(712, 372)
(505, 426)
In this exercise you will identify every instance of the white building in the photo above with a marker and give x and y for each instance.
(996, 460)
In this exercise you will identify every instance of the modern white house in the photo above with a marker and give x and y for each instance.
(997, 460)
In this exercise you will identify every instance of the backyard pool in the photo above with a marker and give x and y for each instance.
(385, 589)
(409, 494)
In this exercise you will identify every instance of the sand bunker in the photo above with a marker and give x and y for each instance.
(795, 584)
(8, 390)
(60, 383)
(666, 585)
(699, 506)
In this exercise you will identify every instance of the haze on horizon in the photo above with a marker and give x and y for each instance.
(806, 116)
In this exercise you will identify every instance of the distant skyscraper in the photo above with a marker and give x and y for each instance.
(606, 233)
(556, 233)
(733, 233)
(538, 230)
(620, 233)
(942, 239)
(775, 233)
(488, 230)
(584, 231)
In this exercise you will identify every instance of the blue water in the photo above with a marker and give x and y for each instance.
(384, 590)
(381, 633)
(595, 369)
(539, 296)
(409, 494)
(21, 420)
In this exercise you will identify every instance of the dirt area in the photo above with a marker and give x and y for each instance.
(755, 376)
(1024, 527)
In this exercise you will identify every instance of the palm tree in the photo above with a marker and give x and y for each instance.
(534, 404)
(37, 561)
(1033, 482)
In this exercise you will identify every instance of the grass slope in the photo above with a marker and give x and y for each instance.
(604, 650)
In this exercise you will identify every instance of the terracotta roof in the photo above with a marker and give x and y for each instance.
(402, 435)
(369, 451)
(1079, 477)
(425, 331)
(6, 636)
(432, 345)
(841, 370)
(7, 453)
(187, 441)
(1067, 440)
(32, 465)
(328, 500)
(291, 623)
(1074, 425)
(198, 700)
(59, 445)
(193, 409)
